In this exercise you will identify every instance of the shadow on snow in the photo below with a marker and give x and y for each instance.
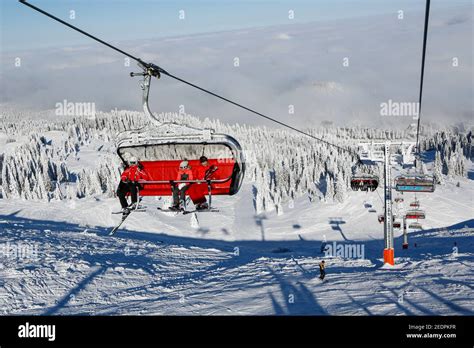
(19, 229)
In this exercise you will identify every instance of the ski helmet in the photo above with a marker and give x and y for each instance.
(133, 160)
(203, 159)
(184, 164)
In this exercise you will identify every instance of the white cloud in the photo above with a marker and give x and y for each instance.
(283, 36)
(305, 71)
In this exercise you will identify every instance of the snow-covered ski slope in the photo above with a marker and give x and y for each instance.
(234, 262)
(56, 256)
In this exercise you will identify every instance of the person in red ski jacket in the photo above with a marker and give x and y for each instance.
(129, 183)
(179, 189)
(204, 171)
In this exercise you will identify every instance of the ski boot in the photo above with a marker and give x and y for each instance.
(202, 206)
(176, 208)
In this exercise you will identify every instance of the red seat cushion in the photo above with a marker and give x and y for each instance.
(168, 170)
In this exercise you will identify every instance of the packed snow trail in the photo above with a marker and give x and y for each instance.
(235, 263)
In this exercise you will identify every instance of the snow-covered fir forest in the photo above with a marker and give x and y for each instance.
(43, 160)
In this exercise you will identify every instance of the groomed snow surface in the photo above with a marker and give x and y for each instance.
(57, 258)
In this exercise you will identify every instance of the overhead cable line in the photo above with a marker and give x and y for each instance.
(425, 37)
(159, 70)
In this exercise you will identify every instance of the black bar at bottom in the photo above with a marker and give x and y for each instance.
(265, 330)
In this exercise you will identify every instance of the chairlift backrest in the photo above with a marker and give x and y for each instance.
(364, 182)
(415, 183)
(161, 150)
(415, 214)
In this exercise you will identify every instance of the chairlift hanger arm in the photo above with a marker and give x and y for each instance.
(150, 69)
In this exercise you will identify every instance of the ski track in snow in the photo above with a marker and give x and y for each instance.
(159, 264)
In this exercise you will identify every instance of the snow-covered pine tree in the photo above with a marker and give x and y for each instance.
(329, 195)
(438, 169)
(340, 188)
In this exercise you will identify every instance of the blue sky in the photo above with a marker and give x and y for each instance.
(119, 20)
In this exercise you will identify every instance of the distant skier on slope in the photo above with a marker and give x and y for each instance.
(322, 270)
(204, 171)
(179, 190)
(129, 184)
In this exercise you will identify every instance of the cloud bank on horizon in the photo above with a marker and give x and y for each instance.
(337, 70)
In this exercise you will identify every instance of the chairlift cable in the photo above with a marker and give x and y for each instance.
(381, 200)
(425, 37)
(24, 2)
(260, 114)
(158, 69)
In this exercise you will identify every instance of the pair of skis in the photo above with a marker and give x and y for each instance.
(125, 215)
(185, 203)
(185, 212)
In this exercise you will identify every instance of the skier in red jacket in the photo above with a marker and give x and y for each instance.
(129, 183)
(204, 171)
(179, 189)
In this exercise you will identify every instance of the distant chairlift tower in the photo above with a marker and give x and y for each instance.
(388, 252)
(380, 152)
